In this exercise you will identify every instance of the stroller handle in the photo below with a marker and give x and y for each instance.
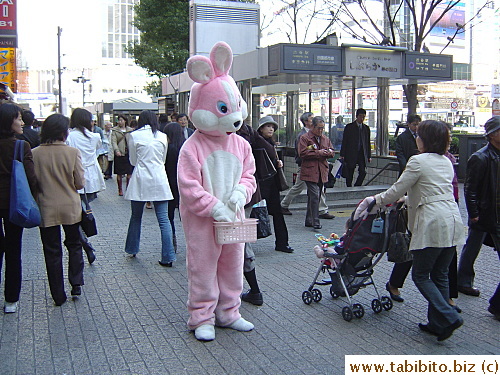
(371, 205)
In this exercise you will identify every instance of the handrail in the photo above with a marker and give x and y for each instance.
(391, 166)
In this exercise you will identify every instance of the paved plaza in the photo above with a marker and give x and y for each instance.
(131, 317)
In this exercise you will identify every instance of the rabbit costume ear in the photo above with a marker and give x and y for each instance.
(200, 69)
(222, 58)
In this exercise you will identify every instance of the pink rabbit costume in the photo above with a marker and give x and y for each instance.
(215, 176)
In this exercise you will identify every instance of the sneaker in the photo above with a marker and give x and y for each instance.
(10, 307)
(326, 215)
(253, 298)
(168, 264)
(285, 211)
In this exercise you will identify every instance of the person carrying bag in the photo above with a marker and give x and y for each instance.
(23, 208)
(11, 124)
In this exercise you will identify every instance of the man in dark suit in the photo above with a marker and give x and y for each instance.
(406, 147)
(29, 135)
(406, 144)
(183, 120)
(356, 149)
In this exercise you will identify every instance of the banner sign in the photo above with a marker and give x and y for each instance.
(8, 24)
(8, 68)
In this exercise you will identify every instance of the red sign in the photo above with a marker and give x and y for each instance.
(8, 23)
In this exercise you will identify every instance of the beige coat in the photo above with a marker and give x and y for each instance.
(119, 139)
(60, 174)
(433, 216)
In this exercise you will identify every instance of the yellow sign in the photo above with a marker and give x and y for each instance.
(8, 71)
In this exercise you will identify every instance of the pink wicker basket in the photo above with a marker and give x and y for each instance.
(238, 232)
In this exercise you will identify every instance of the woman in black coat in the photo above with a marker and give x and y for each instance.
(11, 124)
(176, 139)
(264, 144)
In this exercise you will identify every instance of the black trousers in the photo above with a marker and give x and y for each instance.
(361, 163)
(269, 191)
(10, 245)
(401, 270)
(52, 250)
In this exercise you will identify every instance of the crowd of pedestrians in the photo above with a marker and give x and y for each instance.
(63, 170)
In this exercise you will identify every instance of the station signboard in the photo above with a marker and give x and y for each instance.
(427, 65)
(366, 62)
(308, 59)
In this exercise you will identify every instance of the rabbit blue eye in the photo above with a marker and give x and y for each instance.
(222, 107)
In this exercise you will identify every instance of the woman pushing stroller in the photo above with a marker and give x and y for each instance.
(434, 221)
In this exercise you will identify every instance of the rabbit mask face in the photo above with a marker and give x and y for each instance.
(215, 106)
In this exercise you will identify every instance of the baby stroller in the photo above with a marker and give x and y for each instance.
(350, 262)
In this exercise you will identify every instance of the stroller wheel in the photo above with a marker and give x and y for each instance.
(376, 306)
(386, 303)
(316, 295)
(358, 310)
(333, 293)
(307, 297)
(347, 314)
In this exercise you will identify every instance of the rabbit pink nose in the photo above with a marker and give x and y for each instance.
(237, 123)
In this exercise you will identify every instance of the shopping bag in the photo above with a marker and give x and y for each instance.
(337, 168)
(23, 210)
(259, 211)
(88, 223)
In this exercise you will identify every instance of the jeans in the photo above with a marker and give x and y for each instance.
(134, 230)
(430, 275)
(469, 254)
(10, 245)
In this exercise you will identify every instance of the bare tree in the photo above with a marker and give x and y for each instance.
(424, 14)
(297, 19)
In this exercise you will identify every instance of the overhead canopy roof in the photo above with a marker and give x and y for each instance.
(298, 67)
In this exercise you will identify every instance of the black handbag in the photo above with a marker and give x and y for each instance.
(266, 169)
(88, 223)
(264, 224)
(400, 237)
(281, 180)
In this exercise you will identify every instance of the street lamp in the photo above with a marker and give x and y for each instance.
(82, 79)
(59, 71)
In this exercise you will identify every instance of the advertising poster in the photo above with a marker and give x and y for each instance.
(8, 24)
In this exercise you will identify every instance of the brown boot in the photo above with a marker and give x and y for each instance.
(119, 182)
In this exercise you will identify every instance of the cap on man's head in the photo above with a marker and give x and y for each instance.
(268, 120)
(492, 125)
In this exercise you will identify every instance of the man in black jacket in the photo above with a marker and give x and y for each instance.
(406, 145)
(29, 135)
(482, 196)
(356, 149)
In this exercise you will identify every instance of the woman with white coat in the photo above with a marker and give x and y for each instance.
(149, 182)
(434, 221)
(84, 139)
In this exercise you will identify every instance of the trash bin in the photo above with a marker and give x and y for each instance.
(468, 144)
